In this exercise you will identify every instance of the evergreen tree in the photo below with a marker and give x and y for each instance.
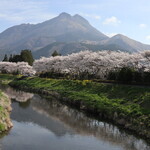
(55, 53)
(26, 56)
(16, 58)
(5, 58)
(10, 58)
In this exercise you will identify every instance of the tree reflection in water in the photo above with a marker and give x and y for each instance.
(87, 126)
(17, 95)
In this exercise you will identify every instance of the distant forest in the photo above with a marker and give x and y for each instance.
(25, 56)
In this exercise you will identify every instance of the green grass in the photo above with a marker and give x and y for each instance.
(127, 98)
(5, 78)
(2, 127)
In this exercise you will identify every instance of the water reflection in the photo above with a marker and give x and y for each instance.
(17, 95)
(86, 126)
(62, 122)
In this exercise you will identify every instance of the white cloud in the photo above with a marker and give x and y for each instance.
(12, 18)
(112, 21)
(97, 17)
(142, 25)
(148, 37)
(111, 34)
(24, 11)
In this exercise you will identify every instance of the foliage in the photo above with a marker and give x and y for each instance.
(125, 75)
(119, 66)
(5, 58)
(16, 58)
(102, 65)
(55, 53)
(128, 75)
(53, 74)
(16, 68)
(25, 56)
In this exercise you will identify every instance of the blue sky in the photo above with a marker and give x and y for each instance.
(128, 17)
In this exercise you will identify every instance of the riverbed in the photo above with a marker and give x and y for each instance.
(45, 123)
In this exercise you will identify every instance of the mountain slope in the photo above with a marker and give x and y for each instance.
(64, 33)
(64, 28)
(68, 48)
(129, 44)
(117, 42)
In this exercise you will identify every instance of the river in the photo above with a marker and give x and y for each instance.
(46, 124)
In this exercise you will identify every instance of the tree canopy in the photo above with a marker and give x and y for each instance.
(55, 53)
(25, 56)
(5, 58)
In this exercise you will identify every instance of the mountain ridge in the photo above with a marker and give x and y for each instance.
(63, 28)
(52, 30)
(68, 48)
(124, 41)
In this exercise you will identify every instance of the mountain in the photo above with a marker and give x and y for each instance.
(72, 47)
(129, 44)
(117, 42)
(64, 28)
(64, 33)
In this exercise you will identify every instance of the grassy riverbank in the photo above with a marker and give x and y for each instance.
(125, 105)
(5, 109)
(5, 78)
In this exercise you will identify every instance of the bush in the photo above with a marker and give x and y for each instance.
(52, 74)
(146, 77)
(112, 75)
(125, 75)
(16, 72)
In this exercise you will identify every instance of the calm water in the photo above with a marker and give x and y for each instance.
(41, 124)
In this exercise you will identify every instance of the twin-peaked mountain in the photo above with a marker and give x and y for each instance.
(64, 28)
(64, 33)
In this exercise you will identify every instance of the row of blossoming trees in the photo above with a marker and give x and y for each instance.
(85, 64)
(102, 64)
(17, 68)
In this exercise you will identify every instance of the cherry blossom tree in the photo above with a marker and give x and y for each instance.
(20, 67)
(98, 64)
